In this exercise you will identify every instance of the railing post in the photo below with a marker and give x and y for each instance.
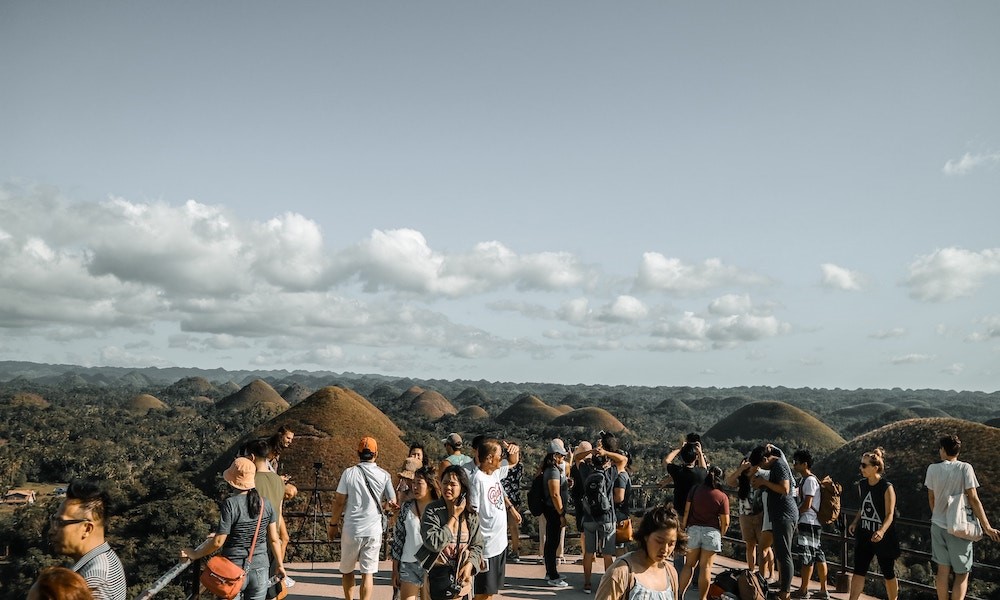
(194, 579)
(843, 578)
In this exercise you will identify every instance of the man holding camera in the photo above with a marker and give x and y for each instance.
(692, 471)
(363, 491)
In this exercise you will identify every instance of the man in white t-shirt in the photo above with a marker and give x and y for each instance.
(487, 497)
(945, 479)
(810, 531)
(362, 494)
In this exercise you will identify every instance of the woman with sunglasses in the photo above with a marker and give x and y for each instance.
(873, 528)
(452, 541)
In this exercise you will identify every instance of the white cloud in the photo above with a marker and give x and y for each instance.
(401, 259)
(910, 359)
(969, 162)
(731, 304)
(625, 309)
(885, 334)
(660, 273)
(990, 331)
(954, 369)
(746, 328)
(840, 278)
(950, 273)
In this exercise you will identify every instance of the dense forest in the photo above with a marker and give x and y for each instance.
(154, 434)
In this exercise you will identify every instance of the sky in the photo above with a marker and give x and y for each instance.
(642, 193)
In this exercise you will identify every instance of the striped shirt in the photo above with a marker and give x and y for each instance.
(104, 573)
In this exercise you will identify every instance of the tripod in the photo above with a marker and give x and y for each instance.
(313, 515)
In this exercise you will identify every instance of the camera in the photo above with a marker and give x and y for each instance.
(693, 438)
(317, 465)
(454, 590)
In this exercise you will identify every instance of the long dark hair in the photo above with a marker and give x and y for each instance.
(463, 481)
(253, 503)
(433, 485)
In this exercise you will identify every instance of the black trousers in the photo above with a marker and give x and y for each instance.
(553, 533)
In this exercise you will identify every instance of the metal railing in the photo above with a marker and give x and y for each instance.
(845, 545)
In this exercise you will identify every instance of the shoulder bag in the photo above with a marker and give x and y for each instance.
(221, 577)
(378, 504)
(962, 522)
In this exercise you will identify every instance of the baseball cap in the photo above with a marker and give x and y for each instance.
(367, 447)
(454, 440)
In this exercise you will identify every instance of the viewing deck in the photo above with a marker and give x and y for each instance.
(524, 580)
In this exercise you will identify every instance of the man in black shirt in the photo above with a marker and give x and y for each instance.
(689, 473)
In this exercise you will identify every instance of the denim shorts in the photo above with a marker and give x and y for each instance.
(412, 572)
(707, 538)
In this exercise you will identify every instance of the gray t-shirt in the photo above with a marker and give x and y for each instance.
(236, 522)
(555, 473)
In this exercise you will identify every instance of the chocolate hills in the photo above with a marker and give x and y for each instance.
(144, 403)
(29, 399)
(431, 405)
(295, 393)
(528, 409)
(476, 413)
(910, 446)
(256, 394)
(591, 418)
(785, 425)
(327, 425)
(675, 408)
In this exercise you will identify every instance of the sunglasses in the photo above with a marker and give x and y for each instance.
(57, 522)
(865, 466)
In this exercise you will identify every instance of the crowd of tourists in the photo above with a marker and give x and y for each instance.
(454, 524)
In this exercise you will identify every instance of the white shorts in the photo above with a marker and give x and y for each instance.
(361, 551)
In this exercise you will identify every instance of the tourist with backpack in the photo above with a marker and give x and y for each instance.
(874, 527)
(808, 540)
(556, 495)
(706, 519)
(597, 507)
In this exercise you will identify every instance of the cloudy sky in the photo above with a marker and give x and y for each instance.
(625, 193)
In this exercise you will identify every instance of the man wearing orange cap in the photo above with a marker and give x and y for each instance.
(362, 493)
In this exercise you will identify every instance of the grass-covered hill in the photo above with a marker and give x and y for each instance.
(528, 410)
(328, 426)
(256, 394)
(590, 418)
(784, 424)
(910, 446)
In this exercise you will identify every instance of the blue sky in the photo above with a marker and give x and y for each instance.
(640, 193)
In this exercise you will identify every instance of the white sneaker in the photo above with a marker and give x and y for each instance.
(559, 583)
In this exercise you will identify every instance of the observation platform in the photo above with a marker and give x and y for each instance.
(524, 580)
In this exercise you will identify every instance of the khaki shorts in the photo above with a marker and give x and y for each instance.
(751, 527)
(362, 551)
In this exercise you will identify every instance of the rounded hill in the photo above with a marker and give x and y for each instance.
(471, 396)
(295, 393)
(476, 413)
(432, 405)
(144, 403)
(256, 394)
(675, 408)
(190, 387)
(785, 425)
(528, 410)
(910, 446)
(327, 425)
(592, 418)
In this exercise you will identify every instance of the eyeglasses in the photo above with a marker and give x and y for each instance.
(865, 466)
(57, 522)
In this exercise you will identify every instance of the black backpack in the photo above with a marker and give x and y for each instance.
(536, 496)
(596, 497)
